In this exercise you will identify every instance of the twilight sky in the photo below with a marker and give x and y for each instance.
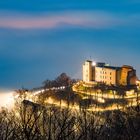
(40, 39)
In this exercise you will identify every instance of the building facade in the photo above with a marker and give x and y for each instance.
(127, 75)
(105, 75)
(87, 71)
(102, 72)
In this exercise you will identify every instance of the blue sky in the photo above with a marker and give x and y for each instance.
(41, 39)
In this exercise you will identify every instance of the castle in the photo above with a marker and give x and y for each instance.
(110, 75)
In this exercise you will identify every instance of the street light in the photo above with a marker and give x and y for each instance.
(93, 63)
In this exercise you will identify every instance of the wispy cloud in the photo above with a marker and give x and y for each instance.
(78, 19)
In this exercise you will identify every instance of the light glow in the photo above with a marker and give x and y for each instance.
(93, 63)
(7, 99)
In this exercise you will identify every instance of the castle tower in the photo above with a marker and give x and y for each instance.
(87, 71)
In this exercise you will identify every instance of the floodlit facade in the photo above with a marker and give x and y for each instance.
(127, 75)
(138, 84)
(102, 72)
(105, 75)
(87, 71)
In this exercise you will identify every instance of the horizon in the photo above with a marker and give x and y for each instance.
(41, 39)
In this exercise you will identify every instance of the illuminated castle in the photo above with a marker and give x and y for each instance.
(110, 75)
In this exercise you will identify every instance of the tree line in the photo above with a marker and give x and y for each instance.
(32, 121)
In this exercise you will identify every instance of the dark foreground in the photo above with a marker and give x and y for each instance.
(34, 122)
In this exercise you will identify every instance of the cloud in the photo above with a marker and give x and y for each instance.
(48, 21)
